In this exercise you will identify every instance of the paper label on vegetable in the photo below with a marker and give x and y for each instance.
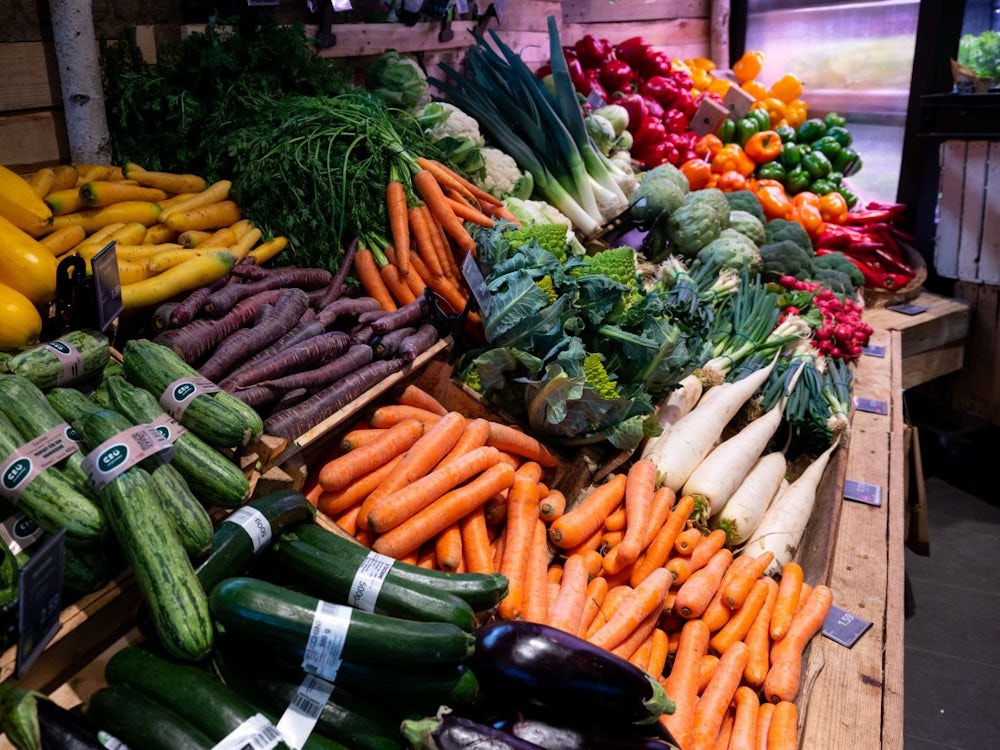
(298, 720)
(19, 468)
(368, 581)
(177, 396)
(326, 640)
(70, 361)
(169, 427)
(255, 524)
(256, 733)
(19, 532)
(118, 454)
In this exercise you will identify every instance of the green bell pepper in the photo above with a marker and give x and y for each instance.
(786, 133)
(832, 119)
(841, 134)
(848, 162)
(835, 177)
(790, 156)
(763, 118)
(816, 164)
(810, 130)
(828, 146)
(849, 195)
(822, 187)
(745, 128)
(772, 170)
(727, 130)
(797, 180)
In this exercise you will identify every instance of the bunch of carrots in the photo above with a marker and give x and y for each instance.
(429, 237)
(624, 567)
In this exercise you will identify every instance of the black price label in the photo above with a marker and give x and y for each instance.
(477, 284)
(874, 351)
(107, 285)
(39, 600)
(844, 628)
(862, 492)
(871, 405)
(907, 309)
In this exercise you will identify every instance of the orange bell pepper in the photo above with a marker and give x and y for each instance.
(756, 89)
(719, 86)
(833, 207)
(807, 205)
(786, 88)
(708, 146)
(698, 173)
(733, 158)
(748, 66)
(731, 181)
(763, 146)
(773, 199)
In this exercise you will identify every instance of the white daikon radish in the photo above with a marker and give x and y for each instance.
(680, 401)
(681, 448)
(780, 530)
(742, 513)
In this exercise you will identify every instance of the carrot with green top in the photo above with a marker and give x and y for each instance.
(449, 178)
(367, 271)
(430, 192)
(399, 224)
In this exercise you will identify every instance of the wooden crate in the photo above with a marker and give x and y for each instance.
(975, 388)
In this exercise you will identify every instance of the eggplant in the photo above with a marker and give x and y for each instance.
(558, 736)
(63, 729)
(451, 732)
(528, 664)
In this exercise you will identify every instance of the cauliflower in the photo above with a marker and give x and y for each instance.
(443, 119)
(502, 175)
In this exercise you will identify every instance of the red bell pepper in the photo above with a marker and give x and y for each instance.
(593, 51)
(633, 50)
(617, 75)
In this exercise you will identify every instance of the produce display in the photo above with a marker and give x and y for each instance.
(683, 309)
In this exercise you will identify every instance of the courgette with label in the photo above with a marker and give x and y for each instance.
(265, 612)
(44, 367)
(232, 546)
(141, 722)
(214, 417)
(481, 590)
(67, 729)
(175, 599)
(50, 500)
(213, 477)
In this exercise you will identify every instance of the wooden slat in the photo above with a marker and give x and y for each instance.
(973, 199)
(946, 321)
(528, 15)
(949, 226)
(365, 39)
(976, 389)
(931, 364)
(674, 36)
(31, 76)
(989, 246)
(598, 11)
(33, 139)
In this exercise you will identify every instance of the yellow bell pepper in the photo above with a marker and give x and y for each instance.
(748, 66)
(786, 88)
(756, 89)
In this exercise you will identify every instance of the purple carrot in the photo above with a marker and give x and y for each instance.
(161, 316)
(361, 334)
(409, 314)
(354, 358)
(336, 286)
(190, 306)
(300, 332)
(287, 311)
(346, 307)
(312, 352)
(194, 340)
(222, 300)
(416, 344)
(258, 396)
(290, 399)
(387, 346)
(289, 423)
(251, 271)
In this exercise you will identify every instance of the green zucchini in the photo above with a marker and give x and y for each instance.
(50, 500)
(176, 601)
(9, 575)
(325, 576)
(212, 416)
(86, 569)
(141, 722)
(265, 612)
(482, 591)
(26, 406)
(186, 513)
(213, 477)
(233, 548)
(43, 367)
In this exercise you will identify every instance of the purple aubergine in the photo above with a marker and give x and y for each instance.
(566, 736)
(531, 664)
(451, 732)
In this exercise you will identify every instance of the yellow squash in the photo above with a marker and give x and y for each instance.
(191, 274)
(20, 321)
(20, 205)
(26, 264)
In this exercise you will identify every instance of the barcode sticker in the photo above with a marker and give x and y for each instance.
(368, 581)
(326, 640)
(256, 733)
(254, 523)
(298, 720)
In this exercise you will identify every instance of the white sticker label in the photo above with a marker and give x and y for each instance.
(368, 581)
(177, 396)
(70, 361)
(326, 640)
(256, 733)
(120, 453)
(19, 532)
(111, 743)
(254, 523)
(298, 720)
(169, 427)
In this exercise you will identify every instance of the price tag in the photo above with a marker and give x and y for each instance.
(39, 600)
(738, 101)
(477, 284)
(107, 285)
(907, 309)
(862, 492)
(844, 628)
(595, 100)
(298, 720)
(708, 116)
(873, 350)
(871, 405)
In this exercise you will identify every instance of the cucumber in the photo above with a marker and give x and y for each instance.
(71, 405)
(186, 513)
(143, 723)
(43, 367)
(176, 601)
(324, 575)
(26, 406)
(265, 612)
(50, 500)
(233, 549)
(482, 591)
(86, 569)
(213, 477)
(212, 416)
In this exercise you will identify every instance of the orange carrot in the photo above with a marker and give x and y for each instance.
(592, 542)
(522, 518)
(360, 436)
(658, 550)
(398, 289)
(567, 609)
(684, 567)
(333, 502)
(783, 678)
(593, 559)
(717, 696)
(425, 557)
(448, 548)
(659, 652)
(476, 543)
(466, 212)
(554, 573)
(390, 414)
(647, 597)
(764, 715)
(448, 178)
(414, 280)
(399, 227)
(783, 728)
(425, 244)
(709, 663)
(615, 520)
(642, 631)
(443, 511)
(804, 593)
(759, 641)
(662, 503)
(697, 591)
(597, 590)
(739, 584)
(552, 505)
(430, 192)
(640, 657)
(687, 540)
(414, 395)
(456, 299)
(745, 719)
(577, 524)
(340, 471)
(442, 246)
(725, 730)
(348, 520)
(367, 271)
(395, 508)
(501, 212)
(535, 600)
(609, 605)
(716, 614)
(610, 539)
(739, 624)
(682, 682)
(789, 590)
(640, 484)
(514, 440)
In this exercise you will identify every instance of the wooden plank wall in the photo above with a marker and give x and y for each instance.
(33, 131)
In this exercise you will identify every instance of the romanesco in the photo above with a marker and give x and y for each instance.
(598, 378)
(617, 263)
(550, 237)
(546, 285)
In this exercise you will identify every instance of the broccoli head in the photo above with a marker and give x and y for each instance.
(745, 200)
(840, 262)
(550, 237)
(835, 280)
(782, 229)
(785, 258)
